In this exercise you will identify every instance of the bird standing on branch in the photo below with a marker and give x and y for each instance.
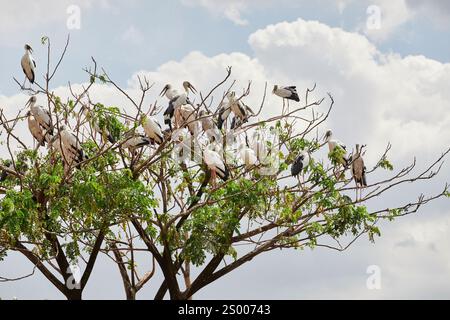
(359, 171)
(28, 64)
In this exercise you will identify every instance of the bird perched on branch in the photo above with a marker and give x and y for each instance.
(208, 125)
(71, 145)
(136, 141)
(288, 93)
(152, 129)
(176, 100)
(36, 130)
(300, 163)
(28, 64)
(359, 170)
(41, 115)
(338, 149)
(215, 163)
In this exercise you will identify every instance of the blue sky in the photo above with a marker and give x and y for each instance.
(385, 82)
(170, 30)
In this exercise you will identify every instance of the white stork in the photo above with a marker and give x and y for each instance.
(215, 163)
(71, 145)
(248, 156)
(36, 130)
(93, 122)
(152, 129)
(359, 171)
(287, 93)
(42, 116)
(28, 64)
(333, 144)
(176, 99)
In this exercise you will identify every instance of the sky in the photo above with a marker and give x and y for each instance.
(387, 64)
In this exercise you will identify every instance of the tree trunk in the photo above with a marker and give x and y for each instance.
(75, 294)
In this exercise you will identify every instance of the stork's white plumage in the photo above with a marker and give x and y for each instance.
(71, 144)
(289, 93)
(36, 130)
(333, 143)
(28, 64)
(248, 156)
(176, 99)
(152, 129)
(215, 163)
(42, 116)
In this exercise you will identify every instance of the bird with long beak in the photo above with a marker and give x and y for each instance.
(42, 116)
(359, 171)
(152, 129)
(332, 145)
(36, 130)
(215, 164)
(176, 100)
(287, 93)
(93, 122)
(28, 64)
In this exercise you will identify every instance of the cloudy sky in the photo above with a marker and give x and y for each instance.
(390, 78)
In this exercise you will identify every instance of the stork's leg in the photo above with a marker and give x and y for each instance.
(213, 178)
(284, 106)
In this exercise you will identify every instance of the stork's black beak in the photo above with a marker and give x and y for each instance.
(164, 90)
(192, 88)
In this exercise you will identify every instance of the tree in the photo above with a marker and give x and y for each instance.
(161, 200)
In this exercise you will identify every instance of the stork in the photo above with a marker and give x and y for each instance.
(301, 162)
(152, 129)
(208, 125)
(215, 163)
(287, 93)
(42, 116)
(185, 115)
(28, 64)
(71, 145)
(359, 171)
(333, 144)
(224, 112)
(248, 155)
(93, 122)
(240, 110)
(36, 130)
(176, 100)
(135, 142)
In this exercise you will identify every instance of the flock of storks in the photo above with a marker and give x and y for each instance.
(180, 113)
